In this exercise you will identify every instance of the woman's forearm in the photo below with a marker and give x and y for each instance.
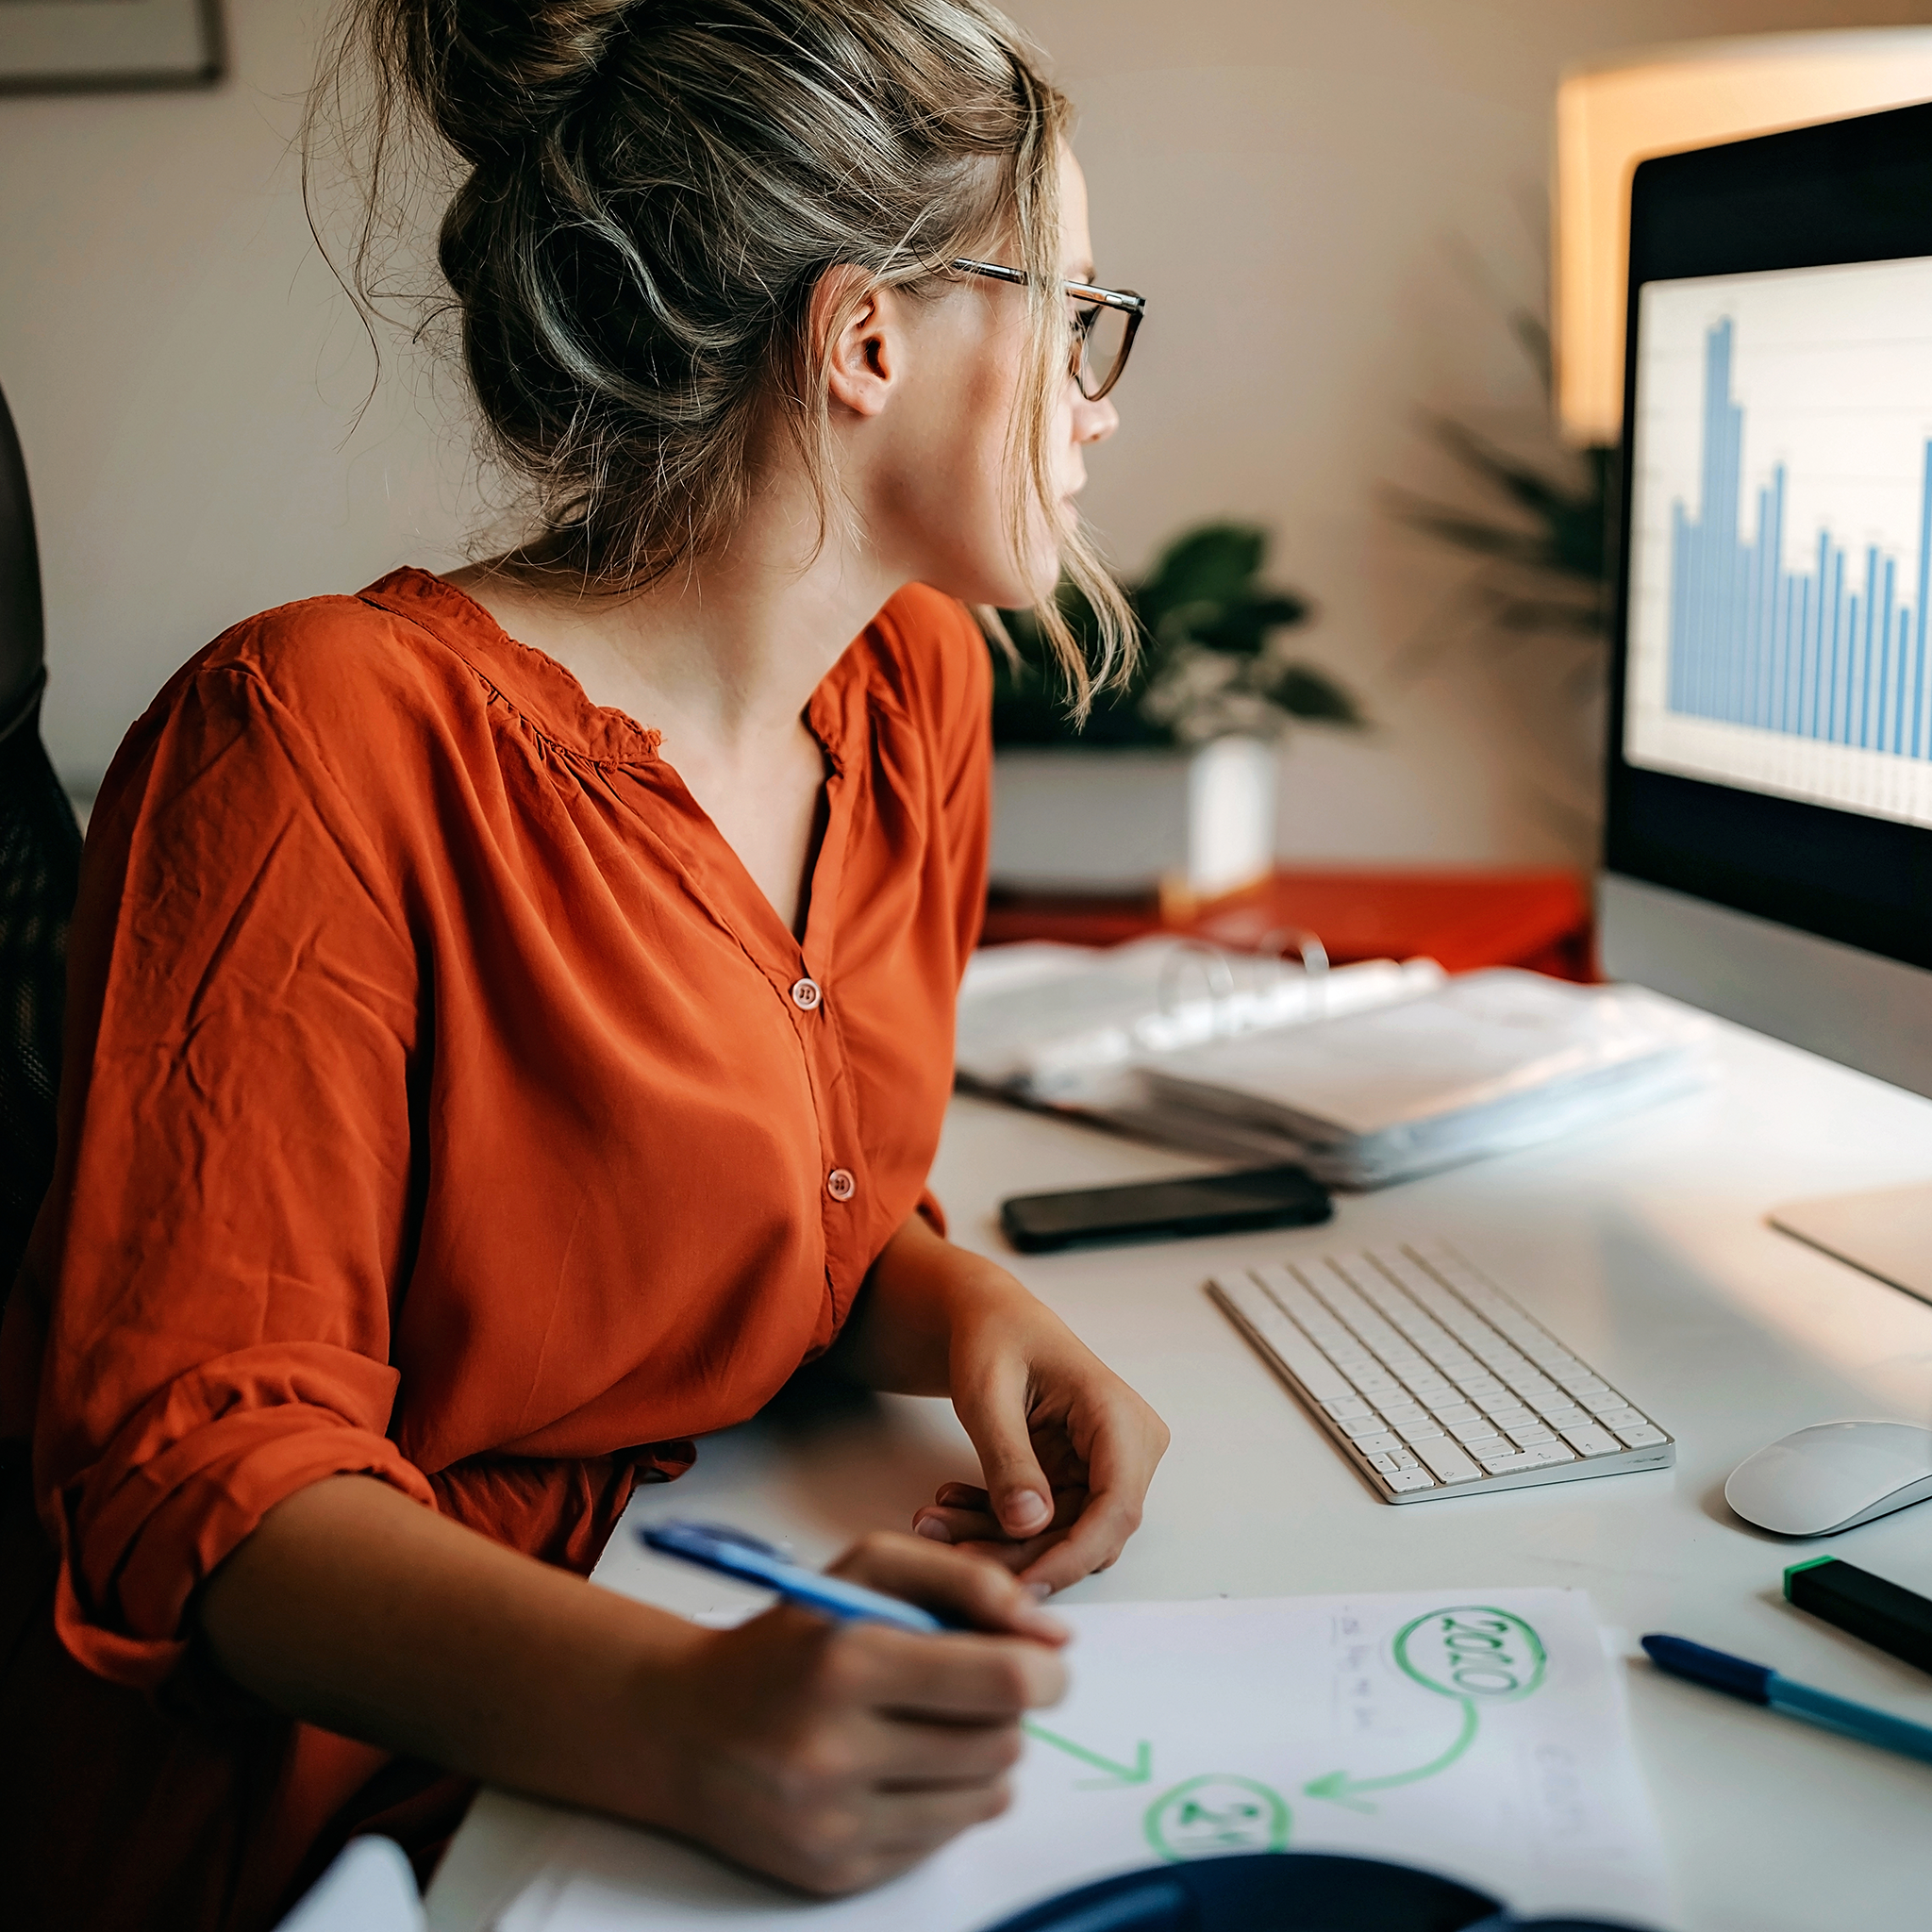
(361, 1612)
(900, 1336)
(828, 1756)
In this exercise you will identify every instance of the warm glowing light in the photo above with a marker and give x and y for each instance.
(1613, 114)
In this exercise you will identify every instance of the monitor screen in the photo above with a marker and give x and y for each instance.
(1781, 535)
(1770, 716)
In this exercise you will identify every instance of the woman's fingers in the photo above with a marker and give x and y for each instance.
(957, 1587)
(918, 1822)
(1127, 1446)
(912, 1755)
(994, 1413)
(962, 1527)
(932, 1682)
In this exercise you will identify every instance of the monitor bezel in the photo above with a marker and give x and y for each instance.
(1843, 191)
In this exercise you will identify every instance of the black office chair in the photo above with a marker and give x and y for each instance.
(39, 871)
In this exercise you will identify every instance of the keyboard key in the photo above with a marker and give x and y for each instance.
(1620, 1418)
(1565, 1415)
(1512, 1416)
(1543, 1456)
(1449, 1463)
(1358, 1426)
(1612, 1404)
(1282, 1338)
(1536, 1388)
(1480, 1430)
(1639, 1435)
(1402, 1459)
(1587, 1438)
(1406, 1479)
(1584, 1386)
(1383, 1465)
(1348, 1407)
(1396, 1413)
(1530, 1435)
(1427, 1430)
(1450, 1413)
(1378, 1445)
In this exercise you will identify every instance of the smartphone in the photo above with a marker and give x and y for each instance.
(1166, 1210)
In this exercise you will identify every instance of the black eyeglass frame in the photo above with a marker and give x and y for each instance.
(1134, 306)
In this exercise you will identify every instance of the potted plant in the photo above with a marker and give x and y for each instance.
(1169, 781)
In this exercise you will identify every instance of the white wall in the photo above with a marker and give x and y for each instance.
(1299, 184)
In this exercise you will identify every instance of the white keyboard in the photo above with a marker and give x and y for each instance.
(1431, 1380)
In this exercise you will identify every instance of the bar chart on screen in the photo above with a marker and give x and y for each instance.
(1781, 566)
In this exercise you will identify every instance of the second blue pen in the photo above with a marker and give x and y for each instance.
(1759, 1684)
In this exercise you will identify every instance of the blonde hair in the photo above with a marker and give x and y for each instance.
(650, 192)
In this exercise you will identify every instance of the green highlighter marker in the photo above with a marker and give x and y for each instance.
(1887, 1615)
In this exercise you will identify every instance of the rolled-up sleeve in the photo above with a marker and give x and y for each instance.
(214, 1273)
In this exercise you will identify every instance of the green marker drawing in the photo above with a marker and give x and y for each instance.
(1471, 1653)
(1339, 1789)
(1218, 1813)
(1138, 1773)
(1472, 1650)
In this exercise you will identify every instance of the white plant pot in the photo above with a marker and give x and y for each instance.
(1200, 822)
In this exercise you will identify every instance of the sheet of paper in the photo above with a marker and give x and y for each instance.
(1479, 1734)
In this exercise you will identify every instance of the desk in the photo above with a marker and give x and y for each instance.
(1461, 919)
(1645, 1246)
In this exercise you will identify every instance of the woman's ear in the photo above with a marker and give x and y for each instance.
(856, 328)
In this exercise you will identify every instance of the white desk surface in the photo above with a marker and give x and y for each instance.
(1644, 1246)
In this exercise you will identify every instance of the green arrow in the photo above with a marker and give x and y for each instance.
(1135, 1774)
(1339, 1789)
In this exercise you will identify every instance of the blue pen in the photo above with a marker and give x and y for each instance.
(748, 1558)
(1757, 1684)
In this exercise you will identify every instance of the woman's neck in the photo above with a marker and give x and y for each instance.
(721, 660)
(725, 653)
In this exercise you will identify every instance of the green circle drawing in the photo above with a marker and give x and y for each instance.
(1214, 1814)
(1472, 1650)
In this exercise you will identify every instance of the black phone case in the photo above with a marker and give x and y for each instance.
(1021, 1227)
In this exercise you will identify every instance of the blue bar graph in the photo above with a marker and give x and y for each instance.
(1835, 653)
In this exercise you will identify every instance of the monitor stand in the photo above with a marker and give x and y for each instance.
(1886, 1233)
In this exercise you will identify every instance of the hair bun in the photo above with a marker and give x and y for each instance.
(491, 73)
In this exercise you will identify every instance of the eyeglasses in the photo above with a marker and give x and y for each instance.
(1104, 323)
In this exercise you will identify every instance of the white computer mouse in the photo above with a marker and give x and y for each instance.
(1832, 1476)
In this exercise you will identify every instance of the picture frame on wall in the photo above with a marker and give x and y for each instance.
(67, 46)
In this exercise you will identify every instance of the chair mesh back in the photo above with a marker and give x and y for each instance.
(39, 870)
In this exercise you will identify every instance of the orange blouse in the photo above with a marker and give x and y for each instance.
(444, 1100)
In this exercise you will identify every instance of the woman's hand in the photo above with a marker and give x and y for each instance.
(1066, 1448)
(834, 1756)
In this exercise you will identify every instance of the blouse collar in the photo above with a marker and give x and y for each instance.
(531, 682)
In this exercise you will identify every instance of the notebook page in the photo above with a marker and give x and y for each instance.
(1481, 1734)
(1480, 1039)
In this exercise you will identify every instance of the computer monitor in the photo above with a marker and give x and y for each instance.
(1767, 846)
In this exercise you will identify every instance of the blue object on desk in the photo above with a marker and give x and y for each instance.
(1283, 1892)
(1758, 1684)
(751, 1559)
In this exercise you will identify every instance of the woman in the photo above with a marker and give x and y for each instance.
(510, 1014)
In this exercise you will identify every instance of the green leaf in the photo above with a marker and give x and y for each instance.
(1312, 695)
(1214, 564)
(1202, 596)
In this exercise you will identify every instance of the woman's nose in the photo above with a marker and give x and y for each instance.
(1094, 422)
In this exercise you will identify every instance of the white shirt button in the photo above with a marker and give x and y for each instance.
(806, 994)
(840, 1185)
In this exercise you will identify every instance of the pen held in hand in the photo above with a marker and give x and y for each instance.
(750, 1559)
